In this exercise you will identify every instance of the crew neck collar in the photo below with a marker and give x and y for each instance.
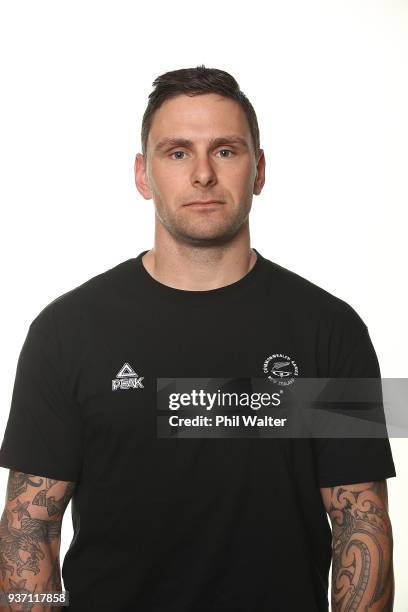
(153, 286)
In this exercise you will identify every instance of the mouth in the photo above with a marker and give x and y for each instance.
(203, 203)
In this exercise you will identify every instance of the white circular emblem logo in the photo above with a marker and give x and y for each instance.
(280, 369)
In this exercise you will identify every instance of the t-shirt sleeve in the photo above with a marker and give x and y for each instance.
(43, 434)
(352, 460)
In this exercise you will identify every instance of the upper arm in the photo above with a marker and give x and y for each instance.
(363, 500)
(44, 434)
(30, 496)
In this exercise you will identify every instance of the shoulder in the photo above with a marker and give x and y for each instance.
(310, 302)
(84, 300)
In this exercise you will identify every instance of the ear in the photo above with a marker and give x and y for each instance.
(260, 173)
(141, 180)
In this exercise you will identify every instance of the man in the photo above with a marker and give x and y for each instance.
(170, 521)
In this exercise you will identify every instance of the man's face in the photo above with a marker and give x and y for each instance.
(200, 148)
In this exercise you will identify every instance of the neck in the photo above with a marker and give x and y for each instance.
(199, 268)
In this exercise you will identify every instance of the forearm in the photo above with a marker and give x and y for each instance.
(30, 536)
(362, 564)
(33, 570)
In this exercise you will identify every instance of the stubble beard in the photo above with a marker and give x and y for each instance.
(203, 232)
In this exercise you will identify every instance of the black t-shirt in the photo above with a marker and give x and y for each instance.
(187, 524)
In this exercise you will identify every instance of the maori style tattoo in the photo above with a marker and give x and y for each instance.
(362, 542)
(25, 539)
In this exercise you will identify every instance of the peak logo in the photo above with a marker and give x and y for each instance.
(127, 378)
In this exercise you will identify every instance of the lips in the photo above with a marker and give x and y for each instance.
(203, 202)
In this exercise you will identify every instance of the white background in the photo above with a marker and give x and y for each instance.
(328, 81)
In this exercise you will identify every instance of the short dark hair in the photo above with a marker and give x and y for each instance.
(196, 81)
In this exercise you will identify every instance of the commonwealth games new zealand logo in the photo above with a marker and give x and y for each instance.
(280, 369)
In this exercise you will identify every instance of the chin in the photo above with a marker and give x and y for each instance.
(207, 238)
(205, 234)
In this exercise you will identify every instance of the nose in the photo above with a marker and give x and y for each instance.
(203, 173)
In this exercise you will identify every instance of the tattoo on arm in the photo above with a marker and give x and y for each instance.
(362, 543)
(30, 531)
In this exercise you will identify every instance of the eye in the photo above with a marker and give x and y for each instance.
(226, 150)
(175, 152)
(180, 153)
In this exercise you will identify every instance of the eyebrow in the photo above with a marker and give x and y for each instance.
(214, 142)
